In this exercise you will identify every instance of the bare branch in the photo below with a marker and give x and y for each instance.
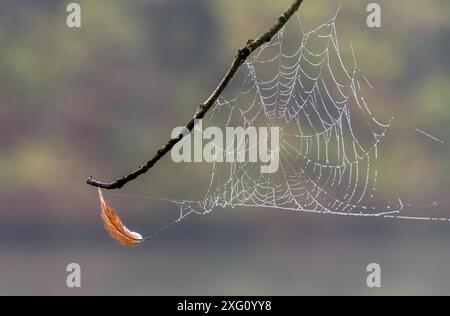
(239, 59)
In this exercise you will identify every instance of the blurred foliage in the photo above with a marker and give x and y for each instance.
(106, 95)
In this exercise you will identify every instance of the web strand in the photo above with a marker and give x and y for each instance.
(330, 137)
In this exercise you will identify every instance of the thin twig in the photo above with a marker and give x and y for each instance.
(239, 59)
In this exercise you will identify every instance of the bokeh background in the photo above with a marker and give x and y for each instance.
(99, 100)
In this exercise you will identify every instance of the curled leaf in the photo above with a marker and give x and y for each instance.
(115, 227)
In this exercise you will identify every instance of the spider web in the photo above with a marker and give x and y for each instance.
(329, 140)
(327, 162)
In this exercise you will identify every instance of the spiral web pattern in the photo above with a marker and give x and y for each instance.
(329, 138)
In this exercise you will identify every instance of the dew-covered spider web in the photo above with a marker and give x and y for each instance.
(329, 141)
(329, 136)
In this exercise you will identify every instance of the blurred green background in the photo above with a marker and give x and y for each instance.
(99, 100)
